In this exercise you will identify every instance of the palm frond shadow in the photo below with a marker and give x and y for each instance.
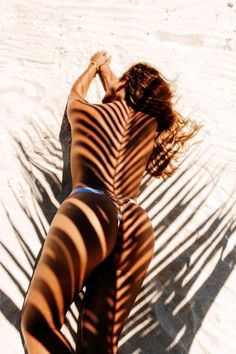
(45, 188)
(163, 318)
(175, 299)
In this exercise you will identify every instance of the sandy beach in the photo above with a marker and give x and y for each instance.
(187, 303)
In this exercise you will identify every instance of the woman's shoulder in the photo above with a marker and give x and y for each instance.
(76, 103)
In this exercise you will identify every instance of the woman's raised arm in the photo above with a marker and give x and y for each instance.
(106, 75)
(80, 87)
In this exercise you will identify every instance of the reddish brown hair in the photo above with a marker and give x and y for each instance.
(149, 92)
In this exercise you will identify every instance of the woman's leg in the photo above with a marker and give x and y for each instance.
(115, 284)
(82, 234)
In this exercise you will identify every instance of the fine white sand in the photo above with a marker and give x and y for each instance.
(187, 304)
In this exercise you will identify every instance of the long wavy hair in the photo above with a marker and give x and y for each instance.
(148, 91)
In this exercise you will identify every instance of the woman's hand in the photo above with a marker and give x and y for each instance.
(100, 58)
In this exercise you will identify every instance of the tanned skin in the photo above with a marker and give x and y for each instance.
(111, 145)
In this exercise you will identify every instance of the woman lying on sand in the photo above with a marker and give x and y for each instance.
(100, 236)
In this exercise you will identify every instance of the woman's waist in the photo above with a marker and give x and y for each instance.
(96, 179)
(120, 197)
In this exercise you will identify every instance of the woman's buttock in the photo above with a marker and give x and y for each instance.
(111, 214)
(136, 233)
(131, 255)
(96, 210)
(85, 228)
(88, 224)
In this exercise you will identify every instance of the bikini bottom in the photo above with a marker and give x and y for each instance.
(119, 202)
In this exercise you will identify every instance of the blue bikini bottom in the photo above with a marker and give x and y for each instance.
(116, 201)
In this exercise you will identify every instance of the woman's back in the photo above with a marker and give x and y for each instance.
(111, 145)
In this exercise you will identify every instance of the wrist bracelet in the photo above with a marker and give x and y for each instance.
(93, 62)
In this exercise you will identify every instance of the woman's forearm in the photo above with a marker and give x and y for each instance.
(106, 76)
(81, 85)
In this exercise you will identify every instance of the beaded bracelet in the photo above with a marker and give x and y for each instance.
(93, 62)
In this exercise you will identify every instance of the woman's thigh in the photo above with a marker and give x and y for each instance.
(82, 234)
(116, 283)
